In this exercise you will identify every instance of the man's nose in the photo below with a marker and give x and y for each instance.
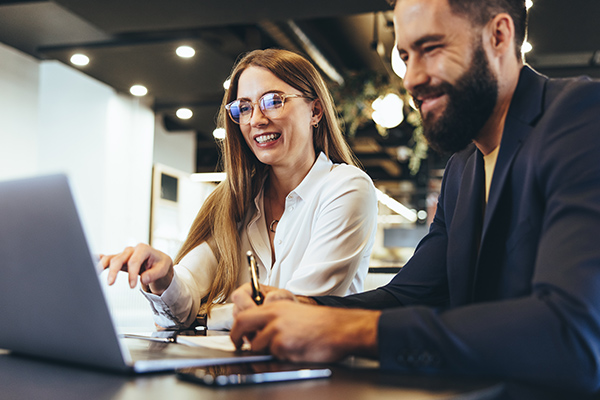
(416, 75)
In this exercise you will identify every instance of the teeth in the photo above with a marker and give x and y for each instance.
(266, 138)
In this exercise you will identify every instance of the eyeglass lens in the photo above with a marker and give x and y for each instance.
(270, 104)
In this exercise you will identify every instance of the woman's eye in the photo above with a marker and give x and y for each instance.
(244, 108)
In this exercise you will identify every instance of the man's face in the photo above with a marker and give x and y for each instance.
(448, 73)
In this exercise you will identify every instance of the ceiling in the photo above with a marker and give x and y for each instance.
(134, 41)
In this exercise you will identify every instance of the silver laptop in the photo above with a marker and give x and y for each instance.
(52, 305)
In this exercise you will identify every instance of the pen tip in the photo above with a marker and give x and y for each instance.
(249, 253)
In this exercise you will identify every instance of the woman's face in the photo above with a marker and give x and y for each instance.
(285, 140)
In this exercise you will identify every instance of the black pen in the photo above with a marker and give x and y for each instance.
(257, 296)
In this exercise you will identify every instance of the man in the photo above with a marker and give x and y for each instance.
(506, 283)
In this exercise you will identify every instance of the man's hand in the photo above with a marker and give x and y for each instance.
(242, 297)
(300, 332)
(154, 267)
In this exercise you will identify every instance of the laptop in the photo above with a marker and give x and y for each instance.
(52, 305)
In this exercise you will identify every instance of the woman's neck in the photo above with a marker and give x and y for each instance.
(282, 180)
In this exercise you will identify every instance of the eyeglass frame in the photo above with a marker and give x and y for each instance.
(283, 96)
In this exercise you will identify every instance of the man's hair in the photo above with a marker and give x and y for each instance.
(482, 11)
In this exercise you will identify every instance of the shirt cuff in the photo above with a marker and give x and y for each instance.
(171, 309)
(221, 317)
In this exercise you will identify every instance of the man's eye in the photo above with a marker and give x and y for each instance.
(429, 49)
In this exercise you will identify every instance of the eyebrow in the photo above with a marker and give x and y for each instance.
(268, 91)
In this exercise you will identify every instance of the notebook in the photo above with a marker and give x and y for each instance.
(52, 305)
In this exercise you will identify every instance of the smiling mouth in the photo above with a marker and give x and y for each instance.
(267, 138)
(430, 102)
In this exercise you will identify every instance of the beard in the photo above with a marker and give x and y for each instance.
(471, 101)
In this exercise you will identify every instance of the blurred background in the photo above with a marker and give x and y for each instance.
(122, 95)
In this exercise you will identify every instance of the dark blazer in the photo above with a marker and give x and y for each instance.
(511, 289)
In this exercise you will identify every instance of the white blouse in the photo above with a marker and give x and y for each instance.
(322, 246)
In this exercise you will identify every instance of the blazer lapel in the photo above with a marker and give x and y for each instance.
(465, 230)
(525, 108)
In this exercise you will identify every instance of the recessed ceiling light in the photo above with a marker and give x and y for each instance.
(226, 84)
(528, 4)
(185, 52)
(184, 113)
(527, 47)
(138, 90)
(80, 59)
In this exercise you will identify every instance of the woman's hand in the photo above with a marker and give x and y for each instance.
(154, 267)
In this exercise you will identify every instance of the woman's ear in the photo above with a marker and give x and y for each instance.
(317, 112)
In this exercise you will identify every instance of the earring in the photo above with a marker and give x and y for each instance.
(316, 125)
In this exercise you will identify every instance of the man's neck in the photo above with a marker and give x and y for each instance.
(491, 134)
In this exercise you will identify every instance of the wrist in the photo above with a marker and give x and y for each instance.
(363, 333)
(306, 300)
(159, 286)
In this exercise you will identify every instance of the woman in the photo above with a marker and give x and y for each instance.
(292, 196)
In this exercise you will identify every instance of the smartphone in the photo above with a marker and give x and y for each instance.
(249, 373)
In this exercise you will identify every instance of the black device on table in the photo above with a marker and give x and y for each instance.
(250, 373)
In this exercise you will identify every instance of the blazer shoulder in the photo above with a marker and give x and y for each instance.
(563, 91)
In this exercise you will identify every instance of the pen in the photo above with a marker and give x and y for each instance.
(169, 339)
(257, 296)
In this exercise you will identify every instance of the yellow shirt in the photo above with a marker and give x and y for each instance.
(490, 164)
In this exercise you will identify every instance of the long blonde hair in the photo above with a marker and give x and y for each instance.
(219, 220)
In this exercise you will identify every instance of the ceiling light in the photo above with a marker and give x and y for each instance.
(411, 102)
(528, 4)
(184, 113)
(398, 65)
(226, 84)
(138, 90)
(219, 133)
(80, 59)
(387, 111)
(396, 206)
(527, 47)
(185, 52)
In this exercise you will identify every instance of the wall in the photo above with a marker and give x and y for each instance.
(19, 81)
(175, 149)
(54, 118)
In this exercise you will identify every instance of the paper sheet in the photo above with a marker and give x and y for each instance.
(221, 342)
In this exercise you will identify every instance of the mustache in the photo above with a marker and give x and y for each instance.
(425, 91)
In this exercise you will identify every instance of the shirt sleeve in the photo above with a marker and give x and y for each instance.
(178, 306)
(341, 238)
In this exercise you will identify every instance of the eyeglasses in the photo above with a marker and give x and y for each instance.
(271, 104)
